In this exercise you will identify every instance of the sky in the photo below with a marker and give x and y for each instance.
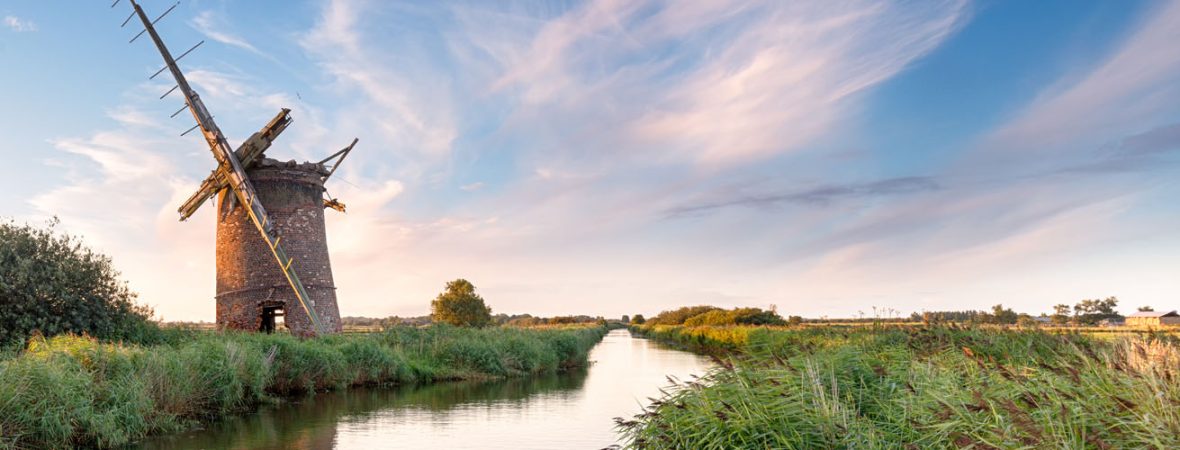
(615, 157)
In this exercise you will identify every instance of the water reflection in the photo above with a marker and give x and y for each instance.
(570, 410)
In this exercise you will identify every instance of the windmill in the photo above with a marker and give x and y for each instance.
(244, 275)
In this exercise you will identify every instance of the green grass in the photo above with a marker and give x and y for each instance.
(70, 391)
(917, 388)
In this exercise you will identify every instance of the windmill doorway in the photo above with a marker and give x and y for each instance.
(272, 318)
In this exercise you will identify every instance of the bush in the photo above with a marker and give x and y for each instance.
(756, 316)
(53, 284)
(678, 316)
(738, 316)
(715, 317)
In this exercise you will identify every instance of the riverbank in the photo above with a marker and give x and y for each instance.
(70, 391)
(917, 387)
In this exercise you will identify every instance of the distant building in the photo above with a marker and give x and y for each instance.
(1153, 319)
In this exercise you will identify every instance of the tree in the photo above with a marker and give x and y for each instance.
(1146, 309)
(795, 320)
(638, 319)
(53, 284)
(459, 305)
(1090, 312)
(1060, 314)
(756, 316)
(1003, 316)
(625, 319)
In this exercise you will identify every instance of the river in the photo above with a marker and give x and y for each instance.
(571, 410)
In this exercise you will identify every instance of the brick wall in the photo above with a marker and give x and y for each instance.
(249, 278)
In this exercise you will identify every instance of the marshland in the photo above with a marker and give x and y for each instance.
(937, 386)
(601, 224)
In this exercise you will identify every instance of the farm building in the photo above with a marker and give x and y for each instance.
(1153, 318)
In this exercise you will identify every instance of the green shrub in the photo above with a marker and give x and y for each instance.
(53, 284)
(678, 316)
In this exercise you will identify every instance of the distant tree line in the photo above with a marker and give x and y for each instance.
(391, 321)
(1086, 312)
(460, 305)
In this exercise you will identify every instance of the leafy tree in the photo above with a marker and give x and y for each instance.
(1001, 315)
(795, 320)
(625, 319)
(1146, 309)
(1060, 314)
(1092, 311)
(638, 319)
(949, 316)
(459, 305)
(53, 284)
(755, 316)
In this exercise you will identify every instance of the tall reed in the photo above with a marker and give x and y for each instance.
(69, 391)
(936, 388)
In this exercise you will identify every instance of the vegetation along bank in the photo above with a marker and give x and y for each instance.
(69, 391)
(107, 375)
(924, 387)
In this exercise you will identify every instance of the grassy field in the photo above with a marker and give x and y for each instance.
(70, 391)
(917, 388)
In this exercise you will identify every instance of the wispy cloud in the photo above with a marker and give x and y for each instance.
(411, 108)
(582, 100)
(18, 25)
(1126, 93)
(710, 82)
(120, 194)
(212, 26)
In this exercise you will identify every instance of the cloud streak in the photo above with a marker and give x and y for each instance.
(210, 25)
(18, 25)
(712, 83)
(817, 196)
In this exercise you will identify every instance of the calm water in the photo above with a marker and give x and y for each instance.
(571, 410)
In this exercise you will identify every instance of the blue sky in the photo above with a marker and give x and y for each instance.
(615, 157)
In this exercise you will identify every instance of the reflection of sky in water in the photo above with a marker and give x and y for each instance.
(557, 411)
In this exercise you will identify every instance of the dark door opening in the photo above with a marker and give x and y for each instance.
(269, 313)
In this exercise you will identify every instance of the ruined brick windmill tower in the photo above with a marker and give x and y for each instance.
(265, 209)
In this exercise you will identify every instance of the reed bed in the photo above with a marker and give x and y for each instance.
(917, 388)
(70, 391)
